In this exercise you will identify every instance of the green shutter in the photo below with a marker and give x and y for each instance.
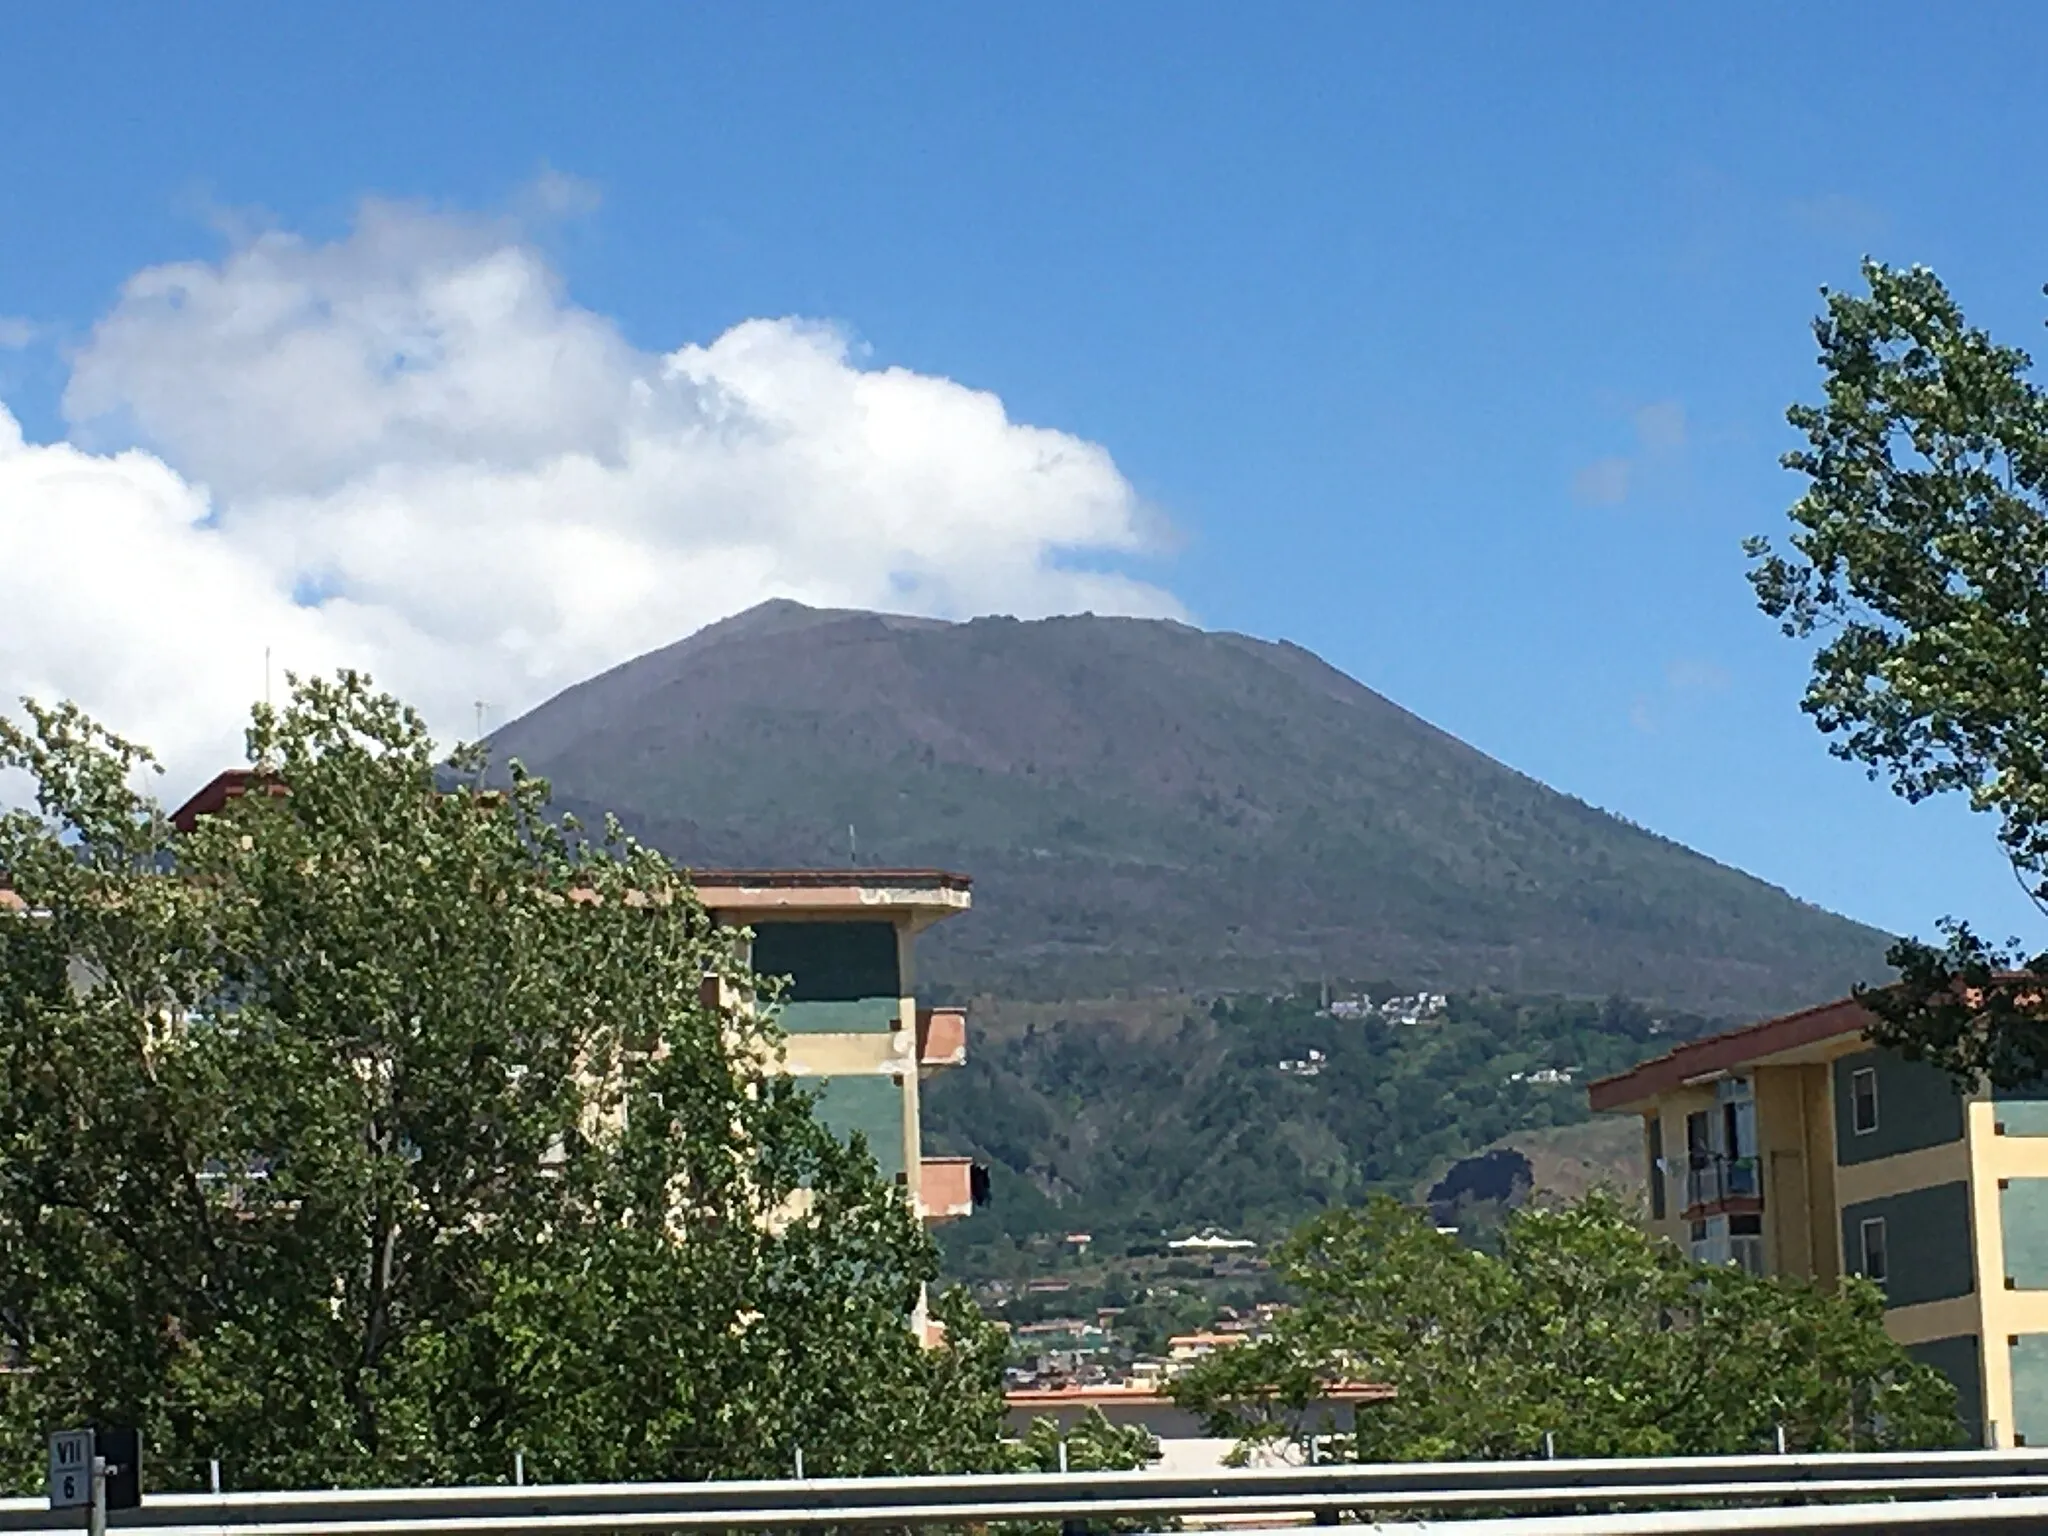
(2021, 1111)
(1957, 1358)
(869, 1016)
(1917, 1106)
(870, 1104)
(2030, 1388)
(1928, 1249)
(2023, 1218)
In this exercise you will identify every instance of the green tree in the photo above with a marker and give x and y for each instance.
(1919, 562)
(1093, 1444)
(1583, 1328)
(378, 1130)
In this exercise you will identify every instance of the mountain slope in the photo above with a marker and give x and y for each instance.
(1253, 1113)
(1147, 806)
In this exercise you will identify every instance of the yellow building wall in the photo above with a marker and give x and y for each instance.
(2005, 1313)
(1794, 1244)
(1805, 1191)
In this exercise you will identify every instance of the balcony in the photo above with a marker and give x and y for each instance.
(1715, 1180)
(950, 1187)
(941, 1037)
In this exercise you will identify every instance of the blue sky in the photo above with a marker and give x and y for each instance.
(1453, 346)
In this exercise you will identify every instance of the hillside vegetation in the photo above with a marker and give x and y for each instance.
(1254, 1113)
(1146, 807)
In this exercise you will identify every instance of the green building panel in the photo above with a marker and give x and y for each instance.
(868, 1016)
(2021, 1111)
(830, 962)
(1959, 1359)
(2023, 1219)
(1927, 1246)
(2029, 1352)
(1917, 1106)
(872, 1105)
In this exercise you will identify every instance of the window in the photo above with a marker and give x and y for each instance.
(1700, 1185)
(1746, 1243)
(1863, 1100)
(1874, 1265)
(1656, 1168)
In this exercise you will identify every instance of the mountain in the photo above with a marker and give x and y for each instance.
(1149, 807)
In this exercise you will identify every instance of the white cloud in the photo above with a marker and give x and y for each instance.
(1660, 427)
(1697, 675)
(1840, 217)
(1660, 430)
(1602, 483)
(409, 450)
(16, 333)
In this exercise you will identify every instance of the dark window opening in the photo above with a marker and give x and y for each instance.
(828, 962)
(1863, 1100)
(1874, 1265)
(1657, 1168)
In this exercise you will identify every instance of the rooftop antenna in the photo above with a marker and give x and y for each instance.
(481, 706)
(264, 761)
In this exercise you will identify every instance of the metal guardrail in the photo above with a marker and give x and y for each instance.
(1947, 1517)
(1923, 1490)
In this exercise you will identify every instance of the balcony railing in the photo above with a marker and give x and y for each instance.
(1713, 1179)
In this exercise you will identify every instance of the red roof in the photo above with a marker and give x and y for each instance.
(224, 787)
(238, 781)
(813, 879)
(1110, 1393)
(1725, 1052)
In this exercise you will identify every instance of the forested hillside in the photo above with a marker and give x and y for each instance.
(1250, 1114)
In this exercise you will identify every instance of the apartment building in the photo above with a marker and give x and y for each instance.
(846, 941)
(1794, 1147)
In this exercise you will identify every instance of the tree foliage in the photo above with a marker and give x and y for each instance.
(1583, 1328)
(1919, 562)
(378, 1130)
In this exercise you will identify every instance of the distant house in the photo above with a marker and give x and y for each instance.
(1794, 1147)
(1189, 1347)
